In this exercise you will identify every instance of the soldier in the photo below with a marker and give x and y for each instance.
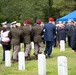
(15, 34)
(37, 38)
(26, 34)
(13, 24)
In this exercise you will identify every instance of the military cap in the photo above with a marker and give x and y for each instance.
(27, 22)
(4, 23)
(38, 22)
(13, 22)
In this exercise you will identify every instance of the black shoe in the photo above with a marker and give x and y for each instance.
(26, 58)
(14, 61)
(29, 58)
(48, 57)
(45, 53)
(33, 53)
(3, 59)
(40, 52)
(36, 57)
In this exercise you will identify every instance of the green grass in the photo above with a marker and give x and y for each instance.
(32, 66)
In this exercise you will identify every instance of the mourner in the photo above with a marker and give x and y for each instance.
(61, 33)
(49, 33)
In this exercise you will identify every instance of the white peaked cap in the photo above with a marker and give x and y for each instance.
(14, 22)
(4, 23)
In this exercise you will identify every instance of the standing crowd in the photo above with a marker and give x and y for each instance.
(49, 34)
(66, 32)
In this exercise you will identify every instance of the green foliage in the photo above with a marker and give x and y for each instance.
(23, 9)
(20, 10)
(63, 7)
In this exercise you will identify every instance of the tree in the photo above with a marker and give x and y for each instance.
(23, 9)
(20, 10)
(63, 7)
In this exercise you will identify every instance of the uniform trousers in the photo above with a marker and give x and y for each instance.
(38, 48)
(15, 52)
(27, 50)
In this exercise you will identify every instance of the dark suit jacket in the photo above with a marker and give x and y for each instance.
(62, 34)
(69, 29)
(49, 31)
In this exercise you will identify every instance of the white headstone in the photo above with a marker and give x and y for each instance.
(62, 65)
(62, 45)
(7, 58)
(21, 61)
(41, 64)
(32, 44)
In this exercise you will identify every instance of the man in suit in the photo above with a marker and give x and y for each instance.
(49, 32)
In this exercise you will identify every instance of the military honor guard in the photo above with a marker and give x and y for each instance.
(37, 38)
(15, 34)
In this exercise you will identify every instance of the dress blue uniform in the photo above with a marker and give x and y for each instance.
(49, 32)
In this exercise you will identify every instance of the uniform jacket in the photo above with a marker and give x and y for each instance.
(26, 33)
(15, 34)
(49, 31)
(37, 33)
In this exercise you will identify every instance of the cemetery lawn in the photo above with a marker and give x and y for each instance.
(32, 65)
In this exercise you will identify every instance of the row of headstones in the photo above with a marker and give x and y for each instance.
(62, 63)
(62, 45)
